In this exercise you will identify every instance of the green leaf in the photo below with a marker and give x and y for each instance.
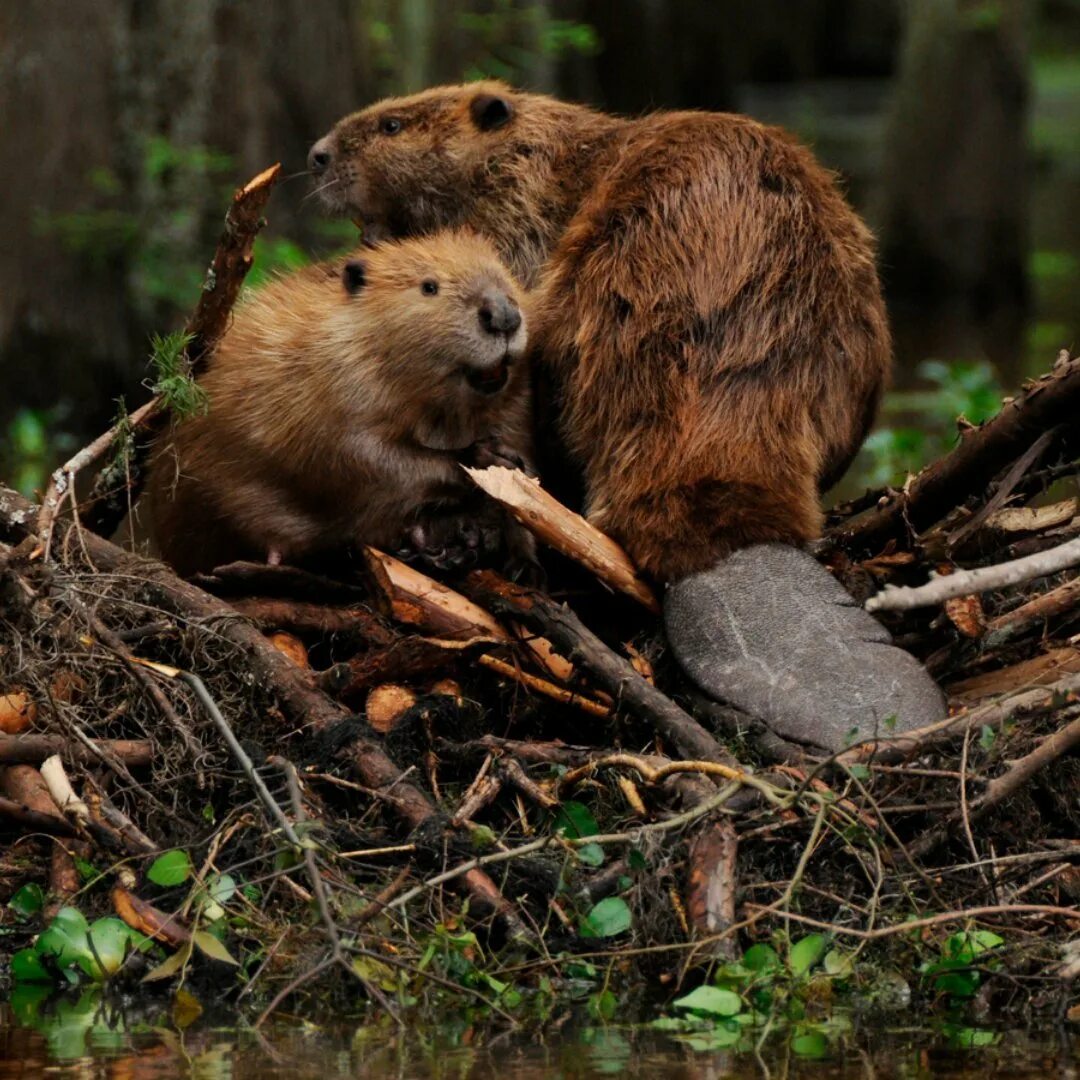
(961, 984)
(987, 737)
(838, 964)
(636, 861)
(813, 1044)
(591, 854)
(28, 901)
(26, 966)
(222, 888)
(111, 938)
(718, 1038)
(761, 957)
(603, 1005)
(213, 948)
(860, 772)
(710, 1001)
(575, 820)
(608, 918)
(806, 952)
(65, 938)
(172, 868)
(966, 945)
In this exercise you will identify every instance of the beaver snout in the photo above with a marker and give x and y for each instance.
(499, 315)
(319, 157)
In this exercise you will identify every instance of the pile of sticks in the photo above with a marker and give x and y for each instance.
(411, 716)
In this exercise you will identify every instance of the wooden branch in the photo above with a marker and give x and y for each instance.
(1050, 605)
(981, 579)
(1041, 670)
(1001, 787)
(232, 259)
(893, 749)
(304, 617)
(613, 673)
(712, 881)
(569, 533)
(300, 700)
(980, 455)
(34, 749)
(417, 600)
(542, 686)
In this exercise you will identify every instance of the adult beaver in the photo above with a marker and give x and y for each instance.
(708, 315)
(341, 400)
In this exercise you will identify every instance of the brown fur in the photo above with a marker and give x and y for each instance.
(706, 301)
(337, 417)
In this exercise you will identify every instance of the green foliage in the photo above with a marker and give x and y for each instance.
(274, 256)
(609, 918)
(575, 820)
(954, 972)
(28, 901)
(171, 868)
(182, 394)
(502, 33)
(70, 949)
(968, 389)
(149, 227)
(31, 446)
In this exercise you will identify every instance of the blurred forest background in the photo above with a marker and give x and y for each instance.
(126, 124)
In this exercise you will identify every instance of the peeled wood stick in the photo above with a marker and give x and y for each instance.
(982, 579)
(567, 532)
(224, 277)
(981, 453)
(420, 601)
(63, 794)
(542, 686)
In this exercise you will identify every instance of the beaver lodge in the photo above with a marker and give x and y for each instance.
(400, 790)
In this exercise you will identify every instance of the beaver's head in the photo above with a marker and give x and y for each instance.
(411, 165)
(443, 331)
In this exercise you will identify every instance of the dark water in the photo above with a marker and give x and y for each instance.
(81, 1038)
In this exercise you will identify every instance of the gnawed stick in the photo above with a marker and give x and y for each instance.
(569, 533)
(981, 579)
(417, 600)
(224, 277)
(1014, 623)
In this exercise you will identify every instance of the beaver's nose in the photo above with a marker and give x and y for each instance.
(319, 157)
(499, 315)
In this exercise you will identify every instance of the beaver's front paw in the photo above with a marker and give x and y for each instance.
(453, 542)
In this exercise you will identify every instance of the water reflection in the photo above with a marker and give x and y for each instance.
(82, 1036)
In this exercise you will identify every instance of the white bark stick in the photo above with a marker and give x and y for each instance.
(983, 579)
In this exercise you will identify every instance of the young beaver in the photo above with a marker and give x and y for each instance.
(709, 324)
(340, 402)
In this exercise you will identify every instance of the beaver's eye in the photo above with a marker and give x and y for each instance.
(390, 125)
(429, 288)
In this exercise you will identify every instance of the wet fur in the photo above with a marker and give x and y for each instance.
(337, 418)
(706, 306)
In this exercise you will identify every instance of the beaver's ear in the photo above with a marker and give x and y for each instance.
(354, 276)
(490, 111)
